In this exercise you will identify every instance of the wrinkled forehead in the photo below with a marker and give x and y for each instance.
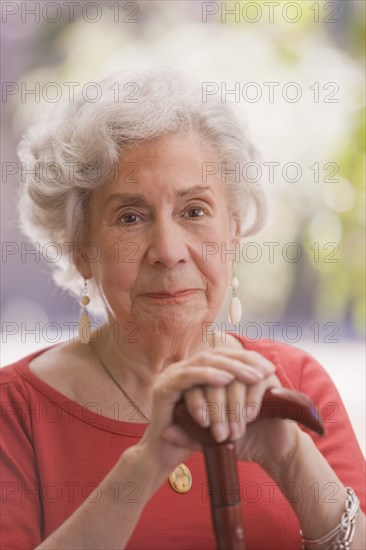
(170, 167)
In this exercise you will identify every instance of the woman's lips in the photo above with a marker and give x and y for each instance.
(181, 295)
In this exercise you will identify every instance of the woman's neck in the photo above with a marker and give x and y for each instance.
(140, 359)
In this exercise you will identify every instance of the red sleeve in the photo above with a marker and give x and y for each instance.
(21, 516)
(298, 370)
(339, 445)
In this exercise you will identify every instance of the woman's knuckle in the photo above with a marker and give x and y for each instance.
(160, 389)
(253, 354)
(204, 357)
(156, 390)
(184, 374)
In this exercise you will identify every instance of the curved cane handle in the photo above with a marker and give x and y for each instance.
(221, 464)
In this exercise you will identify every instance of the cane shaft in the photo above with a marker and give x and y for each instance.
(221, 464)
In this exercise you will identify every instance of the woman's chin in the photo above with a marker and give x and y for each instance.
(172, 321)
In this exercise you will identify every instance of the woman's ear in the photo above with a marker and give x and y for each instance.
(234, 230)
(80, 260)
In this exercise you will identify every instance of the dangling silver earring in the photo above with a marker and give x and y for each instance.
(84, 321)
(235, 308)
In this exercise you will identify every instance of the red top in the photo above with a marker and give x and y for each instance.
(55, 452)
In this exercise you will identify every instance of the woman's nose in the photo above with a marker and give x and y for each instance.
(166, 243)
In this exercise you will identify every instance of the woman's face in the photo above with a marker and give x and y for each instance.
(155, 226)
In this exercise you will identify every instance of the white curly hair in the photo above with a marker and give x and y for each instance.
(71, 151)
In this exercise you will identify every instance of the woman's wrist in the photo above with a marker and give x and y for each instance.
(279, 468)
(321, 495)
(145, 470)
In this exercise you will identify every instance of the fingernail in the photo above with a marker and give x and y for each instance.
(235, 431)
(220, 432)
(235, 437)
(204, 420)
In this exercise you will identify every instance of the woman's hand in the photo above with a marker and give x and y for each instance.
(213, 383)
(270, 443)
(230, 411)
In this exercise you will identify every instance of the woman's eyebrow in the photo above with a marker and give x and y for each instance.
(140, 199)
(194, 190)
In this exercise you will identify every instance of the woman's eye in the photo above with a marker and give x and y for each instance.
(200, 211)
(131, 218)
(125, 219)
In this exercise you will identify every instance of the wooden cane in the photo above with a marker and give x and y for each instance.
(221, 464)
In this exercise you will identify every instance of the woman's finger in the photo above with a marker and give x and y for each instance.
(246, 366)
(236, 399)
(195, 402)
(216, 407)
(202, 407)
(249, 357)
(255, 395)
(173, 382)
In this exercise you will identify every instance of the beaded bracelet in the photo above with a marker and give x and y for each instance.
(344, 532)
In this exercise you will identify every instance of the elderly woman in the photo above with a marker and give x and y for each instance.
(92, 457)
